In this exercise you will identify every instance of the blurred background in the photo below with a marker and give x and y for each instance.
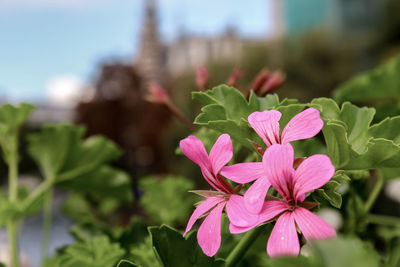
(91, 62)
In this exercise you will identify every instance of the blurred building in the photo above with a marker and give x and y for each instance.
(356, 18)
(157, 60)
(348, 17)
(150, 63)
(189, 51)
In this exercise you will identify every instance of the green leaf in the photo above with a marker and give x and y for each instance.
(14, 211)
(387, 129)
(308, 147)
(167, 200)
(62, 154)
(106, 182)
(355, 214)
(11, 120)
(264, 103)
(393, 259)
(355, 175)
(232, 102)
(226, 111)
(94, 211)
(290, 262)
(84, 232)
(357, 121)
(96, 252)
(381, 83)
(12, 117)
(50, 147)
(352, 143)
(79, 165)
(346, 252)
(389, 173)
(174, 251)
(144, 255)
(329, 193)
(88, 156)
(126, 263)
(337, 144)
(135, 234)
(328, 108)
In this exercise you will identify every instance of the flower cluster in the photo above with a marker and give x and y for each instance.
(277, 169)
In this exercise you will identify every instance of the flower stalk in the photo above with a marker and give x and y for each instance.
(12, 227)
(375, 191)
(244, 244)
(158, 95)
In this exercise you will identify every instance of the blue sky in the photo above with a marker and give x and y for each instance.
(41, 40)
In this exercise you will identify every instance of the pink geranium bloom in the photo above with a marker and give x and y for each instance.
(209, 234)
(293, 185)
(304, 125)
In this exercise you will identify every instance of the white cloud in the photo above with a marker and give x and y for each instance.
(67, 91)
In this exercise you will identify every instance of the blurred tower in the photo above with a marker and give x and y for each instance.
(149, 62)
(278, 19)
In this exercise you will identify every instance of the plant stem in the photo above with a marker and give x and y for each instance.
(12, 227)
(374, 193)
(13, 242)
(243, 245)
(383, 220)
(47, 222)
(40, 190)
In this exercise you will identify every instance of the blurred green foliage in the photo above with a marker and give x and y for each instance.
(166, 200)
(95, 252)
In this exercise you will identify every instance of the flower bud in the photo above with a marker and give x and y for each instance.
(201, 78)
(235, 76)
(273, 82)
(259, 80)
(157, 94)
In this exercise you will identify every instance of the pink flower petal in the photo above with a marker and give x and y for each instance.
(271, 209)
(254, 197)
(266, 125)
(193, 148)
(243, 172)
(312, 173)
(209, 234)
(304, 125)
(312, 226)
(278, 167)
(205, 206)
(233, 229)
(283, 240)
(237, 212)
(221, 153)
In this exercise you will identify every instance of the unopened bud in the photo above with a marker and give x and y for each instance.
(274, 81)
(201, 78)
(235, 76)
(259, 80)
(157, 94)
(257, 147)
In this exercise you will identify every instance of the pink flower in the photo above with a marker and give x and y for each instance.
(209, 234)
(293, 185)
(304, 125)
